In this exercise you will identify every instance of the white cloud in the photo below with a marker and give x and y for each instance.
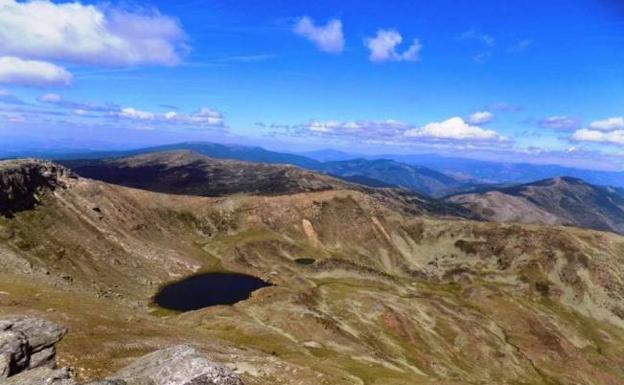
(588, 135)
(560, 123)
(50, 98)
(328, 38)
(204, 117)
(453, 129)
(88, 34)
(383, 47)
(481, 117)
(615, 123)
(483, 38)
(32, 73)
(361, 128)
(132, 113)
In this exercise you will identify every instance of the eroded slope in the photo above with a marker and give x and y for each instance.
(391, 298)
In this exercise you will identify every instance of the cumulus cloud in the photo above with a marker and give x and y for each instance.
(395, 132)
(88, 34)
(327, 38)
(597, 136)
(615, 123)
(132, 113)
(481, 117)
(453, 129)
(383, 47)
(14, 70)
(561, 123)
(203, 117)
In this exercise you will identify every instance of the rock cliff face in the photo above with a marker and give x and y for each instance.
(21, 182)
(28, 357)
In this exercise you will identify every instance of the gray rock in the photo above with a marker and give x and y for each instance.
(41, 376)
(13, 352)
(45, 357)
(107, 382)
(27, 343)
(22, 182)
(40, 332)
(178, 365)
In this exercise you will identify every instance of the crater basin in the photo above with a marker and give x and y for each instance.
(208, 289)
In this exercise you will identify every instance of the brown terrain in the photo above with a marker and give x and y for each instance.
(402, 290)
(557, 201)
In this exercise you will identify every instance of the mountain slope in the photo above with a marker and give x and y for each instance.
(420, 179)
(506, 172)
(186, 172)
(389, 299)
(562, 200)
(374, 173)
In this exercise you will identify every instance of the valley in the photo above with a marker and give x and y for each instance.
(395, 289)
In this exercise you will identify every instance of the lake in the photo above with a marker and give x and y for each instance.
(208, 289)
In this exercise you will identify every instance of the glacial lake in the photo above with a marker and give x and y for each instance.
(208, 289)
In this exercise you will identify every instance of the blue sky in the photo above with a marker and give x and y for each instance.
(508, 80)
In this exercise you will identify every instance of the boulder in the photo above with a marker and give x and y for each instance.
(27, 343)
(13, 352)
(178, 365)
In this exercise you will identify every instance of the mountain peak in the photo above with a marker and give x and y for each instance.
(561, 200)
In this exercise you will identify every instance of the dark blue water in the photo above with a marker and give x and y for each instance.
(206, 290)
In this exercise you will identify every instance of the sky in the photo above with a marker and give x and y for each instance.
(506, 80)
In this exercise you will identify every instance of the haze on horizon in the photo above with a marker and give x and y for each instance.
(494, 79)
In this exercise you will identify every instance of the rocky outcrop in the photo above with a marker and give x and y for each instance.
(28, 357)
(22, 182)
(27, 343)
(178, 365)
(41, 376)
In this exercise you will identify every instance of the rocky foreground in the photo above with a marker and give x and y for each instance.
(28, 357)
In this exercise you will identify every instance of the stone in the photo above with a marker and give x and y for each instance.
(27, 343)
(178, 365)
(41, 376)
(14, 354)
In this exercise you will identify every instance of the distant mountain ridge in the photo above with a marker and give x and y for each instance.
(190, 173)
(561, 201)
(185, 172)
(373, 173)
(416, 178)
(468, 172)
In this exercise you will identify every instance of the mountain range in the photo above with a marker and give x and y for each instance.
(556, 201)
(392, 292)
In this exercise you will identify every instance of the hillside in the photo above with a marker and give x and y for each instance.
(506, 172)
(186, 172)
(563, 201)
(415, 178)
(390, 298)
(189, 173)
(373, 173)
